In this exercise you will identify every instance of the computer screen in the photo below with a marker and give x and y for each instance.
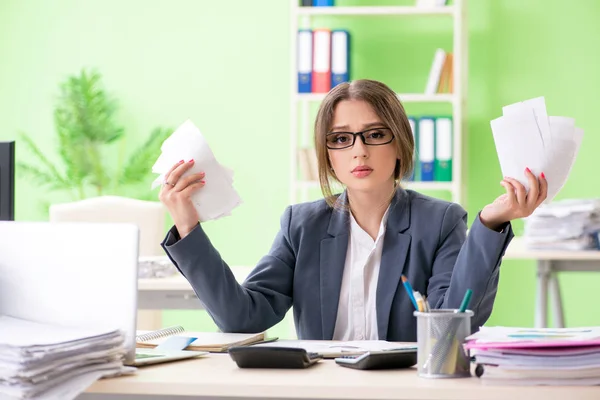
(7, 181)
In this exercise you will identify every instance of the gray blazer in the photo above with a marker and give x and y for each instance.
(425, 240)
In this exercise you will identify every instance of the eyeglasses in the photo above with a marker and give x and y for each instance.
(370, 137)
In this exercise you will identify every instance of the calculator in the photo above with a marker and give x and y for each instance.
(272, 357)
(384, 359)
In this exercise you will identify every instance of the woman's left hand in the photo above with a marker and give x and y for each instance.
(515, 203)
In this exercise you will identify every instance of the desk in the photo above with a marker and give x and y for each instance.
(174, 293)
(217, 377)
(549, 263)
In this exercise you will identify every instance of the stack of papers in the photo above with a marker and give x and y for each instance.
(526, 137)
(336, 348)
(218, 197)
(524, 356)
(564, 225)
(42, 361)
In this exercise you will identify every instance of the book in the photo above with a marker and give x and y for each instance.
(214, 342)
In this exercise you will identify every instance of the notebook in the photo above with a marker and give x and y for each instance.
(214, 342)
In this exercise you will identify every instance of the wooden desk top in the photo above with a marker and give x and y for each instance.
(216, 375)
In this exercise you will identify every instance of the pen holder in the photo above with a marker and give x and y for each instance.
(440, 338)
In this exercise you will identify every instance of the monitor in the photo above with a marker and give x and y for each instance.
(7, 181)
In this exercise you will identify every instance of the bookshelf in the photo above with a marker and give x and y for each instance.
(301, 127)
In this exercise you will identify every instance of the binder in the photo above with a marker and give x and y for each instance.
(306, 3)
(321, 78)
(323, 3)
(427, 148)
(413, 128)
(305, 44)
(443, 149)
(340, 57)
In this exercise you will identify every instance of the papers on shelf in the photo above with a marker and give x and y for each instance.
(218, 197)
(564, 225)
(44, 361)
(526, 137)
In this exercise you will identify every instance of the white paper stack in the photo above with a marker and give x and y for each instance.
(525, 356)
(42, 361)
(218, 197)
(526, 137)
(564, 225)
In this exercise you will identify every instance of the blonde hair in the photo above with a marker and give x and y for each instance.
(388, 108)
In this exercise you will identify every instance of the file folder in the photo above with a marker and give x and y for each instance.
(443, 149)
(340, 57)
(427, 148)
(323, 3)
(305, 52)
(321, 79)
(413, 128)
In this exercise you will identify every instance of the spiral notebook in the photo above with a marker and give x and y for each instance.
(215, 342)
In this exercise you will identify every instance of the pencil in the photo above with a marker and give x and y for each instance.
(409, 289)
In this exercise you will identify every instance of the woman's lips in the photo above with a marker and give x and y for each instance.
(361, 171)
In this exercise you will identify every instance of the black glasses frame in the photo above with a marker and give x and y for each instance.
(362, 137)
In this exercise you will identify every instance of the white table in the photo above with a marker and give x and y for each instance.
(549, 263)
(176, 293)
(217, 377)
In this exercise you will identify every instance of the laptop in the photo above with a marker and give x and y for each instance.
(77, 274)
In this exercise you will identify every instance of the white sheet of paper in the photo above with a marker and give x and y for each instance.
(565, 148)
(516, 140)
(218, 197)
(538, 106)
(525, 136)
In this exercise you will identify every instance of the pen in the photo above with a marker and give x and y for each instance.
(410, 291)
(465, 302)
(427, 308)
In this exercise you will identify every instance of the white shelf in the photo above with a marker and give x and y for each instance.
(376, 10)
(301, 104)
(404, 97)
(409, 185)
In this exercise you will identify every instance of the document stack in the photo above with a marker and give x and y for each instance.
(564, 225)
(524, 356)
(526, 137)
(42, 361)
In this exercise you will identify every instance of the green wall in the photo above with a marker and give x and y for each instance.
(225, 65)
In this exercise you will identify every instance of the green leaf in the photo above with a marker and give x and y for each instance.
(139, 165)
(41, 177)
(52, 173)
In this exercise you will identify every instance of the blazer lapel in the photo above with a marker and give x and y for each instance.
(332, 261)
(396, 245)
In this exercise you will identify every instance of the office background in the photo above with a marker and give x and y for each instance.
(225, 65)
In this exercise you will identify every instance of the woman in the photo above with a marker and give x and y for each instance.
(339, 261)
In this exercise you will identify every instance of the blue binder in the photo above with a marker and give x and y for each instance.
(340, 57)
(427, 148)
(323, 3)
(305, 54)
(413, 127)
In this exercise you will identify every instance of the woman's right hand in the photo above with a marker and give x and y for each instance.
(176, 194)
